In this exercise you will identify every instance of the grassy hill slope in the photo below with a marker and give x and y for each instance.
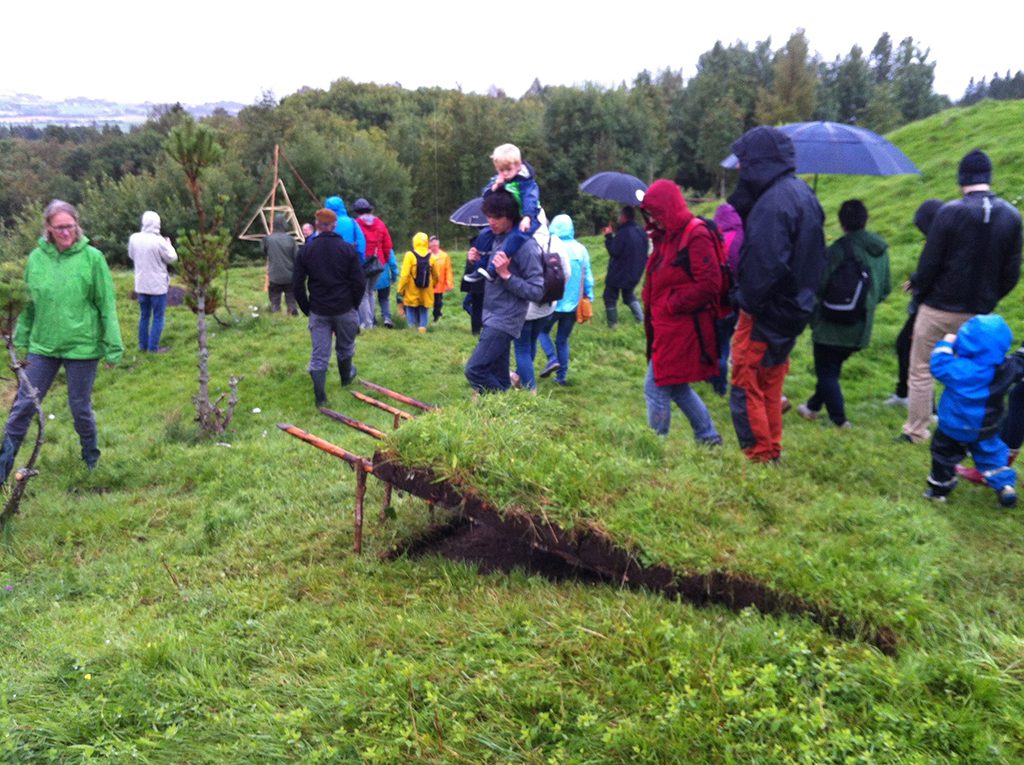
(197, 601)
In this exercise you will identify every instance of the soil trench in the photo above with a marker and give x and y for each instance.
(496, 541)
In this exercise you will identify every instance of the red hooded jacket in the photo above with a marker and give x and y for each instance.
(680, 292)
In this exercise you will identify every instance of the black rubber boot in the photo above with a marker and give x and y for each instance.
(319, 379)
(638, 310)
(347, 371)
(90, 452)
(7, 455)
(612, 312)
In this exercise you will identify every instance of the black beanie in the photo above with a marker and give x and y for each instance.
(975, 167)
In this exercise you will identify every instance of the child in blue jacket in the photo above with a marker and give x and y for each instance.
(976, 372)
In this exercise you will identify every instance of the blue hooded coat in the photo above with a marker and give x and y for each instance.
(976, 373)
(346, 228)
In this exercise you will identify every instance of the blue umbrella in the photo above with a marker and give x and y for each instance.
(470, 214)
(832, 148)
(618, 187)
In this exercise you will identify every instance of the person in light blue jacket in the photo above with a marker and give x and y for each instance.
(346, 228)
(580, 283)
(387, 277)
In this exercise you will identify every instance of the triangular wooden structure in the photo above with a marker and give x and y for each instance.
(262, 222)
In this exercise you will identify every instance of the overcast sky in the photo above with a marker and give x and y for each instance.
(195, 51)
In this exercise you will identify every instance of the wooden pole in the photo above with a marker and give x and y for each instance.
(362, 427)
(273, 190)
(399, 396)
(399, 413)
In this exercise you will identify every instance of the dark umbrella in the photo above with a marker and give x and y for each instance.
(832, 148)
(618, 187)
(470, 214)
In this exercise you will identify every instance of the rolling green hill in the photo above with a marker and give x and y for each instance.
(197, 601)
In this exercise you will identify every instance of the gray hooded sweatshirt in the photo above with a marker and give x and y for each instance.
(151, 253)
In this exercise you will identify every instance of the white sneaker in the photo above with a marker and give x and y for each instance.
(895, 400)
(806, 412)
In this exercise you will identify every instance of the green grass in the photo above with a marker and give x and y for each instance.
(197, 601)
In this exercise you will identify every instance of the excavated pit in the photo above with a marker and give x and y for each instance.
(495, 541)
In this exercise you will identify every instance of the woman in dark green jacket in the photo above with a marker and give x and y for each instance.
(833, 342)
(70, 321)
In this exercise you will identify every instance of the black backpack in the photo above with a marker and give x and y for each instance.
(554, 276)
(422, 277)
(845, 297)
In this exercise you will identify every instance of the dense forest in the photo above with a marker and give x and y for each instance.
(417, 155)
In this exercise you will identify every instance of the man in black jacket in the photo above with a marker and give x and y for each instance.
(627, 256)
(333, 269)
(781, 262)
(970, 261)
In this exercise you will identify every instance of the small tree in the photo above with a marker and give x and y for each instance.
(203, 256)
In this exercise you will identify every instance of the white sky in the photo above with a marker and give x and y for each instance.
(195, 51)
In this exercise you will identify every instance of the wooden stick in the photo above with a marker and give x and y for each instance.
(399, 396)
(327, 446)
(399, 413)
(353, 423)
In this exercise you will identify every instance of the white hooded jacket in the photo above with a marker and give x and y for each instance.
(151, 253)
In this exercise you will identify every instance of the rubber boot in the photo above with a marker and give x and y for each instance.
(612, 312)
(347, 370)
(7, 455)
(90, 452)
(319, 378)
(638, 310)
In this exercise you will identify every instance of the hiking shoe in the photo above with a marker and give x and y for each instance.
(551, 366)
(388, 324)
(806, 412)
(1008, 497)
(895, 400)
(930, 495)
(903, 438)
(422, 330)
(971, 474)
(786, 405)
(514, 377)
(845, 425)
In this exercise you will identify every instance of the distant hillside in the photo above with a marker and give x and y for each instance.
(27, 109)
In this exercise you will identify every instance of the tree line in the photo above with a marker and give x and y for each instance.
(419, 154)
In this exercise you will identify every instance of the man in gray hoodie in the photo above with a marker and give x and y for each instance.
(520, 281)
(150, 254)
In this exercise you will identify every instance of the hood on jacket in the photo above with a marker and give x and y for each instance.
(280, 223)
(985, 338)
(664, 202)
(150, 222)
(421, 243)
(926, 214)
(562, 227)
(764, 153)
(367, 218)
(727, 219)
(337, 205)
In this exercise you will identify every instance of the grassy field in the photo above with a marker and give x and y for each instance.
(197, 601)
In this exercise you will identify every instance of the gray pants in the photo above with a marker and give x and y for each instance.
(343, 327)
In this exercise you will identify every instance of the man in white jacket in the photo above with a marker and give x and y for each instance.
(150, 252)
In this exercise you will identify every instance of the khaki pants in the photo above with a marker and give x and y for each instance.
(929, 327)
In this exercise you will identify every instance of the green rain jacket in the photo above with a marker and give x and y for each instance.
(70, 311)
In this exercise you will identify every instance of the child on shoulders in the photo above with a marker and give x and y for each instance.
(516, 176)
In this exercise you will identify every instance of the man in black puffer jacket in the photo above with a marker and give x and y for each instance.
(781, 263)
(970, 262)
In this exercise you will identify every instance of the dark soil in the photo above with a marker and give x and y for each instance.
(496, 541)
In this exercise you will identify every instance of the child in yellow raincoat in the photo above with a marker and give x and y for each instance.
(416, 282)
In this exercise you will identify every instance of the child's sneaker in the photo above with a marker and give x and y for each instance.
(474, 276)
(806, 412)
(931, 495)
(485, 274)
(1008, 496)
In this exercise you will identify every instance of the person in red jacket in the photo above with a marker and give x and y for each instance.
(680, 293)
(379, 246)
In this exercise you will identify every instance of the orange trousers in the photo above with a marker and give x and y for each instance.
(755, 400)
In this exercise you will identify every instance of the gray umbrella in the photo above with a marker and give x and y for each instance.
(618, 187)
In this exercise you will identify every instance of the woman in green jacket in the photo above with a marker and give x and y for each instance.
(69, 320)
(835, 342)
